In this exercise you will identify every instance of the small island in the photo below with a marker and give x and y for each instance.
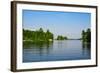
(60, 37)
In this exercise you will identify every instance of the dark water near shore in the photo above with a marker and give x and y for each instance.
(56, 51)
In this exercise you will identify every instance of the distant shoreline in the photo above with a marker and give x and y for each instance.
(52, 40)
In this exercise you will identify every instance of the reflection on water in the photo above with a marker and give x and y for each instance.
(86, 48)
(86, 45)
(39, 47)
(56, 51)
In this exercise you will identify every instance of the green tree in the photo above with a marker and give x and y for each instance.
(83, 35)
(86, 35)
(49, 35)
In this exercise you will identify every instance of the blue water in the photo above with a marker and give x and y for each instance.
(56, 51)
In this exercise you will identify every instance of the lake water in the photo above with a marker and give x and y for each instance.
(56, 51)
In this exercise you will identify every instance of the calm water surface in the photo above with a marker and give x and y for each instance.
(56, 51)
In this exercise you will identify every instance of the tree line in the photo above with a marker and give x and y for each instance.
(40, 35)
(86, 35)
(37, 36)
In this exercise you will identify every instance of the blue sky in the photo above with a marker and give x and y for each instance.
(68, 24)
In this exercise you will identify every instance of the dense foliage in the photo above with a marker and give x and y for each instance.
(60, 37)
(37, 36)
(86, 35)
